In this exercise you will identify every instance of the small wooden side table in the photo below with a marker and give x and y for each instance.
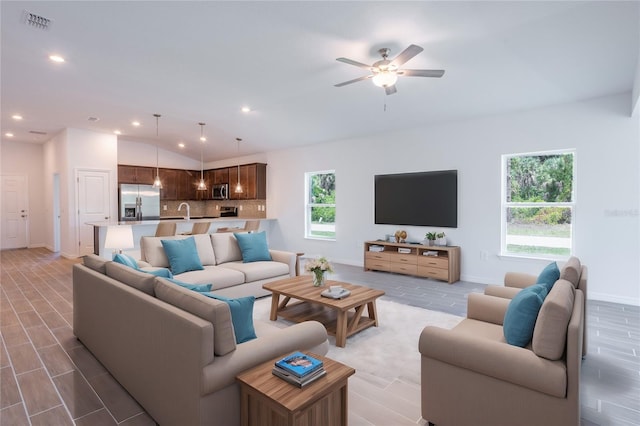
(266, 400)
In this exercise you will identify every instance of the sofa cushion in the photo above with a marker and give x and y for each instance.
(571, 271)
(195, 287)
(226, 248)
(549, 275)
(550, 332)
(125, 260)
(153, 252)
(215, 311)
(256, 271)
(158, 272)
(136, 279)
(95, 262)
(521, 314)
(253, 246)
(217, 276)
(182, 255)
(241, 316)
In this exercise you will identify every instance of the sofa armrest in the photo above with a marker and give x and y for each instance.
(486, 308)
(223, 370)
(500, 291)
(499, 360)
(285, 257)
(519, 280)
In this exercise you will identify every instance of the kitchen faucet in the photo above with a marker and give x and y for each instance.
(188, 216)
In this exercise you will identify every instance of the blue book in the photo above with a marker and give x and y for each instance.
(299, 364)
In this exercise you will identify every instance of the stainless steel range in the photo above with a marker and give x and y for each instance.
(228, 211)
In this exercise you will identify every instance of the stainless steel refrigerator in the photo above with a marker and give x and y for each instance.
(139, 202)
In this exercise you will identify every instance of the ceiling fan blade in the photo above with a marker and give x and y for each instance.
(352, 62)
(407, 54)
(421, 73)
(390, 90)
(364, 77)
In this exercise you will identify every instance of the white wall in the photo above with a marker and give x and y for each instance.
(26, 159)
(606, 218)
(141, 154)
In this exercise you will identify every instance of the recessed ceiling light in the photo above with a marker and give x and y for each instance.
(9, 134)
(245, 109)
(56, 58)
(16, 117)
(135, 123)
(117, 132)
(93, 119)
(181, 145)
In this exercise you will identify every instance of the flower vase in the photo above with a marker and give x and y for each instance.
(318, 278)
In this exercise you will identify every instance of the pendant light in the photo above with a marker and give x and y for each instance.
(156, 182)
(202, 186)
(238, 186)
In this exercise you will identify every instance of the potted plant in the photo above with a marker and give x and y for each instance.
(431, 238)
(441, 239)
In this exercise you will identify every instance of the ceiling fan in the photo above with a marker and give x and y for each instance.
(385, 73)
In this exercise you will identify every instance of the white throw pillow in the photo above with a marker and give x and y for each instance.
(225, 247)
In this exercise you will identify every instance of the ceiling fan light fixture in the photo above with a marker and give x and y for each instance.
(385, 78)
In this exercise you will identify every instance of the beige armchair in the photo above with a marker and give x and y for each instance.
(573, 271)
(471, 376)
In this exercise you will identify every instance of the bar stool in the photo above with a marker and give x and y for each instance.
(251, 225)
(200, 228)
(166, 229)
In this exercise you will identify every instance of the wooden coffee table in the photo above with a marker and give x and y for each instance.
(268, 400)
(341, 317)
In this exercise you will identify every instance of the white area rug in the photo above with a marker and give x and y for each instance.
(388, 351)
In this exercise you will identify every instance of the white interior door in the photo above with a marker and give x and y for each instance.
(14, 212)
(93, 205)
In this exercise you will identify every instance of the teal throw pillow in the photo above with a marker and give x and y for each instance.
(549, 275)
(182, 255)
(522, 313)
(241, 316)
(126, 260)
(200, 288)
(161, 272)
(253, 246)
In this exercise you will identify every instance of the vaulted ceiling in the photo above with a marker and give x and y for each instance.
(202, 61)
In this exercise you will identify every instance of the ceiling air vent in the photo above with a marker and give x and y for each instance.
(37, 132)
(36, 21)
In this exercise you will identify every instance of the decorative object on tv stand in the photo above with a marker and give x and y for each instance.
(119, 237)
(441, 239)
(202, 185)
(431, 238)
(156, 182)
(401, 236)
(318, 268)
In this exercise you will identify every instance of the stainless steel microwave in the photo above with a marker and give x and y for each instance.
(220, 191)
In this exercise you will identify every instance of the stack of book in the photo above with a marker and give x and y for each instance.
(299, 369)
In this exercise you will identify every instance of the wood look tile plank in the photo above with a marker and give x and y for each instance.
(78, 396)
(24, 358)
(115, 398)
(86, 362)
(38, 391)
(29, 319)
(66, 338)
(14, 335)
(9, 392)
(41, 336)
(97, 418)
(14, 415)
(56, 360)
(57, 416)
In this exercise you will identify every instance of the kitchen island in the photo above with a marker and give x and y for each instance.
(184, 226)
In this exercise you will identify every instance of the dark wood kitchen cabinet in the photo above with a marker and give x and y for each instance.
(169, 190)
(220, 176)
(253, 178)
(136, 174)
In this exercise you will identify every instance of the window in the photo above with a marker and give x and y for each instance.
(320, 205)
(538, 204)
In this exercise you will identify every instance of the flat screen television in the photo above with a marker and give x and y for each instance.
(420, 199)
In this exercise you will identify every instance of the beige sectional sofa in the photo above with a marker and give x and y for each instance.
(173, 349)
(223, 266)
(470, 375)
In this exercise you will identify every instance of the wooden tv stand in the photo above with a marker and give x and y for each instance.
(445, 266)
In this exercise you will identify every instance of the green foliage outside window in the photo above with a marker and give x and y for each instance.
(323, 191)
